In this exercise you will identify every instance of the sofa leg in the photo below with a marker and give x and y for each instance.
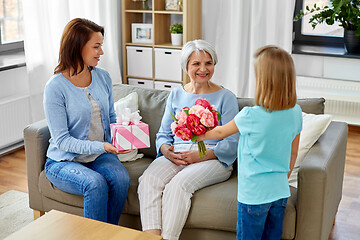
(38, 214)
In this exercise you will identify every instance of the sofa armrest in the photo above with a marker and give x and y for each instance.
(320, 182)
(36, 141)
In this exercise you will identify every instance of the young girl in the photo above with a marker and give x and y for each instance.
(269, 138)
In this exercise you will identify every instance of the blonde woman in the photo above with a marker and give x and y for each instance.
(268, 145)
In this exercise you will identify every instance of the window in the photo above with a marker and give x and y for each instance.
(11, 25)
(323, 34)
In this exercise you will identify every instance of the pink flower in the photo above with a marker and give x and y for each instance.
(204, 103)
(207, 118)
(181, 117)
(199, 130)
(183, 132)
(216, 120)
(173, 126)
(197, 110)
(193, 123)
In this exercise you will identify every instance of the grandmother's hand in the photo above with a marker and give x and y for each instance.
(168, 152)
(191, 157)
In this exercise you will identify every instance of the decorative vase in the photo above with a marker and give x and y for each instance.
(176, 39)
(351, 41)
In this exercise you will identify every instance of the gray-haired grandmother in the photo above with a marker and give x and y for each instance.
(167, 185)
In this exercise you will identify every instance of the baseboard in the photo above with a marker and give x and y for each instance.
(11, 148)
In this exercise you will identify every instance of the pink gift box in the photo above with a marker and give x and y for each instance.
(134, 136)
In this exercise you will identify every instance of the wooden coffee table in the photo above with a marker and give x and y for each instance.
(59, 225)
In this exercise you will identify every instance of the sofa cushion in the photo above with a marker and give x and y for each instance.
(220, 210)
(135, 170)
(313, 127)
(151, 105)
(50, 191)
(308, 105)
(312, 105)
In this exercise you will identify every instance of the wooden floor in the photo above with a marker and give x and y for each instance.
(347, 225)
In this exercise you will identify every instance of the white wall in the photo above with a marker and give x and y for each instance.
(335, 79)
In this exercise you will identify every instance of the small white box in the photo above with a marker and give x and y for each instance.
(166, 85)
(141, 83)
(139, 61)
(168, 64)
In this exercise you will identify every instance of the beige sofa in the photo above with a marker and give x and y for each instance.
(309, 214)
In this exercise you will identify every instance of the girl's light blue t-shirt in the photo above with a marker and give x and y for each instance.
(264, 152)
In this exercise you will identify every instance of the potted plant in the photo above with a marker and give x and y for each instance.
(346, 12)
(176, 31)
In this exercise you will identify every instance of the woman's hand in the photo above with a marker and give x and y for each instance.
(168, 152)
(111, 149)
(191, 157)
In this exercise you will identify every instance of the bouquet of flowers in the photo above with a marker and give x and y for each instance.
(192, 122)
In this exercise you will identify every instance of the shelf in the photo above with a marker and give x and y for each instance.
(161, 80)
(168, 12)
(162, 45)
(138, 11)
(139, 44)
(161, 19)
(167, 45)
(128, 76)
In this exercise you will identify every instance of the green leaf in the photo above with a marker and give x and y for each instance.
(193, 139)
(176, 28)
(173, 117)
(357, 32)
(186, 111)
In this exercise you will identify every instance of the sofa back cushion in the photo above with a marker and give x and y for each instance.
(151, 105)
(308, 105)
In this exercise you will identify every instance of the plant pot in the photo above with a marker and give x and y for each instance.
(176, 39)
(352, 42)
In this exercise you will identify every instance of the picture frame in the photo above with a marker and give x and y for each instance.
(142, 33)
(171, 5)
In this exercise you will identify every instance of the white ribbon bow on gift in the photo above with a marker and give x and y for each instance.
(127, 117)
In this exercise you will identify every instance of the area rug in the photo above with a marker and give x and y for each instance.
(14, 212)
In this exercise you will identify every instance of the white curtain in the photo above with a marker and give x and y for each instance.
(237, 28)
(44, 22)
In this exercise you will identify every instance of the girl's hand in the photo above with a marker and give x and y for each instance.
(168, 152)
(200, 138)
